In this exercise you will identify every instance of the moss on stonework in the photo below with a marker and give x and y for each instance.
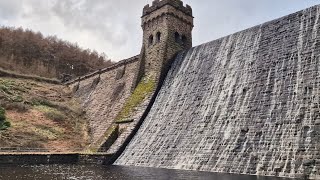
(123, 121)
(145, 87)
(94, 148)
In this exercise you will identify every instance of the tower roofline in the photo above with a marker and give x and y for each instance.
(157, 4)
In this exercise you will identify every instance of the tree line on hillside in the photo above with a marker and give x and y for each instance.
(26, 47)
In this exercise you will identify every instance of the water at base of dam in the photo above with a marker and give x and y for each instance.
(95, 172)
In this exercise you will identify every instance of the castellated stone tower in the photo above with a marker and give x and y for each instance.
(167, 29)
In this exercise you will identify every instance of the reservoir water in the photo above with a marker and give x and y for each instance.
(95, 172)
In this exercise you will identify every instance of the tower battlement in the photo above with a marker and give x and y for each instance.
(157, 4)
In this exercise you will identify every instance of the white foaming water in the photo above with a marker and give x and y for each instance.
(246, 103)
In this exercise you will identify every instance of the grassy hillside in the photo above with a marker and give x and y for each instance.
(41, 115)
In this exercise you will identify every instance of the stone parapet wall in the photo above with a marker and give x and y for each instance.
(167, 10)
(115, 66)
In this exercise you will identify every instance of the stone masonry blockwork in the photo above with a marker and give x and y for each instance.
(248, 103)
(160, 23)
(104, 93)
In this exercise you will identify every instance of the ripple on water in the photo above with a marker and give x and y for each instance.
(95, 172)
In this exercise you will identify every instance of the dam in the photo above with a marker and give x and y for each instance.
(247, 103)
(241, 107)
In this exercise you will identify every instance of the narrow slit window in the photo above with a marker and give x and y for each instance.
(158, 36)
(184, 39)
(177, 37)
(150, 40)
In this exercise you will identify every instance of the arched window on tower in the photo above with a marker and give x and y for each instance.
(184, 40)
(158, 37)
(150, 40)
(177, 37)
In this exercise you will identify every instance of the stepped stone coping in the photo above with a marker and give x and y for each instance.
(115, 66)
(124, 121)
(51, 153)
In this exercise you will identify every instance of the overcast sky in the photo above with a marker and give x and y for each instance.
(113, 26)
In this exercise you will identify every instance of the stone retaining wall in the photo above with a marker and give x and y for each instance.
(46, 158)
(103, 94)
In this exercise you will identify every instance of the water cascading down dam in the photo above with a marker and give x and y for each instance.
(247, 103)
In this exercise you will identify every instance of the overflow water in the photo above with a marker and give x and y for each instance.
(247, 103)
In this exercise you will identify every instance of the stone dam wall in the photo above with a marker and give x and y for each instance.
(48, 158)
(103, 94)
(247, 103)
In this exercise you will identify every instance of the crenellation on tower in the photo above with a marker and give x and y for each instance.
(177, 4)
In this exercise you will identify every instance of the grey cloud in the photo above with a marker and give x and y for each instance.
(10, 9)
(97, 16)
(113, 26)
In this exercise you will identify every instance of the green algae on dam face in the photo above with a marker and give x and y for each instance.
(247, 103)
(145, 87)
(105, 141)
